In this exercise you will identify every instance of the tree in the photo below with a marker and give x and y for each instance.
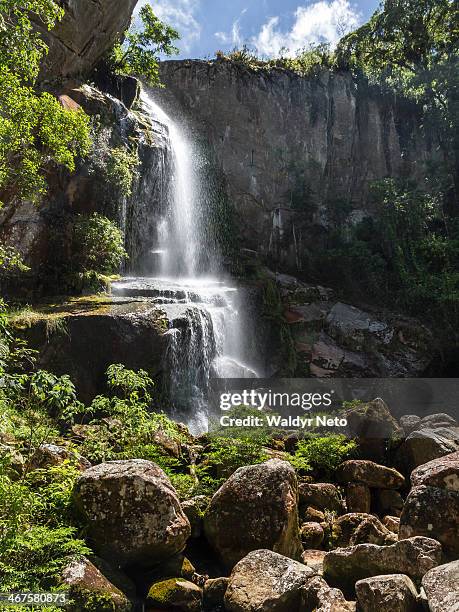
(139, 53)
(35, 130)
(412, 47)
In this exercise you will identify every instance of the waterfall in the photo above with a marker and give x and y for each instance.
(204, 308)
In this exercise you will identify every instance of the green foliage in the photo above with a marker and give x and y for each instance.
(35, 130)
(11, 261)
(324, 453)
(407, 255)
(98, 244)
(307, 62)
(122, 169)
(412, 48)
(139, 53)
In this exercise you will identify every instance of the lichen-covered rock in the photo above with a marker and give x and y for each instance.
(314, 559)
(133, 512)
(321, 495)
(358, 497)
(432, 506)
(175, 594)
(425, 444)
(441, 586)
(48, 455)
(392, 523)
(413, 557)
(409, 422)
(214, 592)
(90, 590)
(370, 473)
(312, 535)
(318, 596)
(311, 515)
(358, 528)
(265, 581)
(442, 472)
(391, 593)
(434, 513)
(255, 508)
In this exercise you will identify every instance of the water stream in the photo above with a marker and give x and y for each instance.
(205, 308)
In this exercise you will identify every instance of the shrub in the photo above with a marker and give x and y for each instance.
(121, 169)
(325, 453)
(98, 244)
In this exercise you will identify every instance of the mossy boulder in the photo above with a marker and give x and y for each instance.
(257, 507)
(175, 594)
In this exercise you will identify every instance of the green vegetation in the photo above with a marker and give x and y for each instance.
(36, 132)
(323, 453)
(307, 62)
(121, 169)
(406, 255)
(139, 53)
(98, 245)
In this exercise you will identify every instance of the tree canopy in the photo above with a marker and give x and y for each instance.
(35, 130)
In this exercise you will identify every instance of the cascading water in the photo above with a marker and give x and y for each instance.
(203, 309)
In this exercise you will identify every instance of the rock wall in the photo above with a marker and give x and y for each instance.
(295, 151)
(80, 40)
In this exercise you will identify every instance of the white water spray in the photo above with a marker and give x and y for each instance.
(205, 338)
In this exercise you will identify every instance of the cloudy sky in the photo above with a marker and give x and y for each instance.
(264, 25)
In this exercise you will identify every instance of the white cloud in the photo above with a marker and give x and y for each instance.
(234, 37)
(180, 14)
(322, 21)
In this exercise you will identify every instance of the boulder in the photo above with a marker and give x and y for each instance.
(314, 559)
(266, 581)
(86, 32)
(409, 422)
(441, 586)
(414, 557)
(133, 512)
(358, 497)
(175, 594)
(442, 472)
(434, 513)
(370, 473)
(256, 507)
(392, 523)
(318, 596)
(312, 535)
(312, 515)
(48, 455)
(86, 584)
(391, 593)
(214, 593)
(359, 528)
(437, 420)
(425, 444)
(432, 506)
(322, 495)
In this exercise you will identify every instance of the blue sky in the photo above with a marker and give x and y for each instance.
(264, 25)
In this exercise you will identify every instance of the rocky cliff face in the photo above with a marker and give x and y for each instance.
(295, 151)
(87, 30)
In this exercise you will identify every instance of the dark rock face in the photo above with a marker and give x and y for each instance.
(256, 507)
(87, 31)
(93, 337)
(331, 135)
(133, 512)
